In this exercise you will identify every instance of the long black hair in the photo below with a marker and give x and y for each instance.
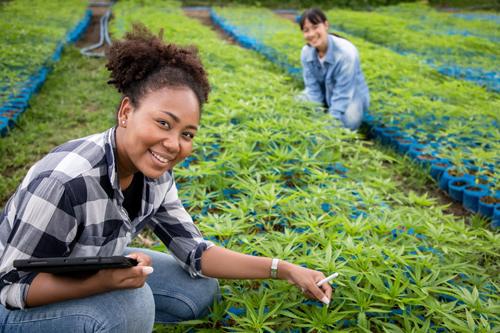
(315, 16)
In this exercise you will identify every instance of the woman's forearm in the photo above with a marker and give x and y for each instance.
(222, 263)
(49, 288)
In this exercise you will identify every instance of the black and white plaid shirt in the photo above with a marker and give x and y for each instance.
(70, 205)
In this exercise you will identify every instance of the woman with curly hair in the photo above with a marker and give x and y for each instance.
(332, 71)
(91, 196)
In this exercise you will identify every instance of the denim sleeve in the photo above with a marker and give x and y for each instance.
(174, 226)
(313, 88)
(345, 83)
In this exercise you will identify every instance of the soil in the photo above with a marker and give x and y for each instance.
(426, 157)
(473, 188)
(92, 33)
(455, 173)
(490, 200)
(471, 171)
(203, 15)
(482, 181)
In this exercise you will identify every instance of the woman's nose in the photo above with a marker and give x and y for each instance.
(172, 144)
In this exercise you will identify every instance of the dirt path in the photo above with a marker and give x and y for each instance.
(203, 15)
(92, 33)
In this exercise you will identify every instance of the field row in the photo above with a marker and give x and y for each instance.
(415, 109)
(32, 39)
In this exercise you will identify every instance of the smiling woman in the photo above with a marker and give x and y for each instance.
(91, 196)
(332, 71)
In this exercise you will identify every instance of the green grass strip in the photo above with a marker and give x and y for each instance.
(31, 30)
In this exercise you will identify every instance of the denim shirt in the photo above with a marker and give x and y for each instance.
(339, 81)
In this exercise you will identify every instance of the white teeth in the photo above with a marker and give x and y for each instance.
(159, 158)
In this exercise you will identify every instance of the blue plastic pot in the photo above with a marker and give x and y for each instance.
(496, 217)
(4, 126)
(381, 133)
(456, 188)
(416, 149)
(472, 194)
(386, 136)
(425, 159)
(402, 146)
(485, 209)
(447, 177)
(438, 167)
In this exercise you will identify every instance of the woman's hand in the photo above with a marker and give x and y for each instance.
(125, 278)
(306, 280)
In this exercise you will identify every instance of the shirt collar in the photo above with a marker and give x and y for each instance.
(329, 56)
(111, 154)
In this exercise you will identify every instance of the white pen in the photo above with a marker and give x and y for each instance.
(327, 279)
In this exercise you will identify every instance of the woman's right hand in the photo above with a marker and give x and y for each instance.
(306, 280)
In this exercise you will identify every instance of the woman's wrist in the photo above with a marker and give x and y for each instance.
(284, 269)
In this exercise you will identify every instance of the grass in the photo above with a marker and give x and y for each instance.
(74, 102)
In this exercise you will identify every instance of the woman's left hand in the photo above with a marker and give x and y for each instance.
(306, 280)
(142, 259)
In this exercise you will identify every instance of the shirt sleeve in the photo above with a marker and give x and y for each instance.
(345, 83)
(174, 226)
(313, 87)
(42, 224)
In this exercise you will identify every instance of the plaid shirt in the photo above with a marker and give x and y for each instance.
(70, 205)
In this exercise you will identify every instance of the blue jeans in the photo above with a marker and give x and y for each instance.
(352, 116)
(170, 295)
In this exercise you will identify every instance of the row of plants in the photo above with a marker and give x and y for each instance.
(430, 114)
(466, 57)
(425, 19)
(264, 182)
(479, 16)
(32, 39)
(296, 3)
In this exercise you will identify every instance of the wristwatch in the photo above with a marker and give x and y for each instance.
(274, 268)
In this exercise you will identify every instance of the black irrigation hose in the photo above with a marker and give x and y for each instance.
(103, 36)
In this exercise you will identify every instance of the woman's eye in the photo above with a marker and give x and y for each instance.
(188, 135)
(164, 124)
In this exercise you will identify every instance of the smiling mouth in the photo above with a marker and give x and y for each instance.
(159, 158)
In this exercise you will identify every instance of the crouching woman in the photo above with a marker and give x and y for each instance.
(332, 71)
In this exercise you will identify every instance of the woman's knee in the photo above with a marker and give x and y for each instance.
(353, 116)
(176, 304)
(211, 294)
(132, 310)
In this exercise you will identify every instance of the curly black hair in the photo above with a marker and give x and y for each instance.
(143, 62)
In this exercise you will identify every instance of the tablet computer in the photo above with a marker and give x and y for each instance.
(63, 265)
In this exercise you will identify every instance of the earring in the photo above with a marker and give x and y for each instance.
(123, 122)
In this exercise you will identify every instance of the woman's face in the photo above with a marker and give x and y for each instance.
(153, 137)
(316, 35)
